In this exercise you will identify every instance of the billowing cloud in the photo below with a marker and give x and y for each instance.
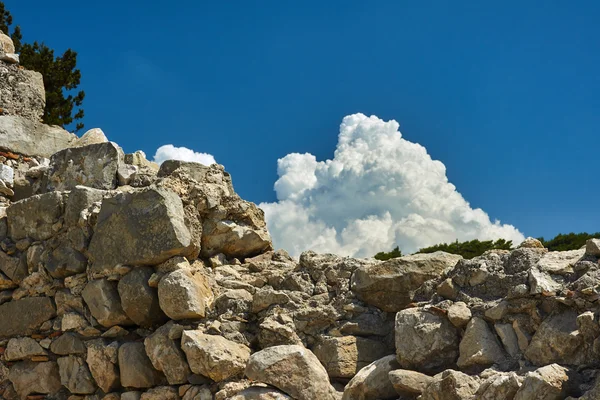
(170, 152)
(378, 191)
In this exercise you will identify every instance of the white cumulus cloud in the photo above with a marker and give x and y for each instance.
(170, 152)
(378, 191)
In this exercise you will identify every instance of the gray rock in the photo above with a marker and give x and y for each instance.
(67, 343)
(479, 346)
(588, 325)
(30, 377)
(161, 393)
(166, 355)
(184, 294)
(260, 393)
(125, 173)
(65, 261)
(150, 221)
(22, 90)
(136, 368)
(24, 136)
(35, 216)
(214, 356)
(7, 175)
(235, 301)
(93, 166)
(560, 262)
(542, 283)
(450, 385)
(75, 375)
(509, 339)
(459, 314)
(373, 382)
(592, 247)
(391, 285)
(92, 136)
(23, 348)
(102, 298)
(6, 43)
(425, 341)
(407, 381)
(80, 198)
(15, 268)
(344, 356)
(294, 370)
(102, 358)
(25, 316)
(546, 383)
(499, 386)
(138, 299)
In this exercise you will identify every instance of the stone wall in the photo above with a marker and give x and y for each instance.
(123, 280)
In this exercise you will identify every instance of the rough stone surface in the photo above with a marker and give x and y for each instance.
(138, 299)
(92, 136)
(391, 285)
(425, 341)
(31, 377)
(102, 358)
(102, 298)
(35, 217)
(294, 370)
(150, 221)
(22, 348)
(459, 314)
(214, 356)
(260, 393)
(24, 136)
(592, 247)
(407, 381)
(68, 343)
(166, 355)
(184, 294)
(373, 382)
(479, 346)
(344, 356)
(136, 368)
(25, 316)
(546, 383)
(75, 375)
(22, 91)
(450, 385)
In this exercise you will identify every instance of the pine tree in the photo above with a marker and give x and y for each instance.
(61, 77)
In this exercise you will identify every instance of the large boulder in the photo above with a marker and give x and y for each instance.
(391, 285)
(35, 217)
(150, 221)
(373, 382)
(23, 92)
(93, 166)
(24, 136)
(24, 316)
(102, 298)
(425, 341)
(30, 377)
(138, 299)
(344, 356)
(294, 370)
(214, 356)
(164, 351)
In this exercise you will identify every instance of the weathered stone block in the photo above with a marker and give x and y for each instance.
(23, 317)
(35, 216)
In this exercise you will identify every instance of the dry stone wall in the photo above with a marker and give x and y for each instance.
(123, 280)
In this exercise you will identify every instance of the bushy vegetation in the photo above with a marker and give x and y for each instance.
(474, 248)
(60, 75)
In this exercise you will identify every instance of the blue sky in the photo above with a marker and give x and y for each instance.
(504, 94)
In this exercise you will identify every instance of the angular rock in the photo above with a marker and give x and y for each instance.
(150, 221)
(80, 199)
(235, 239)
(592, 247)
(260, 393)
(391, 285)
(75, 375)
(6, 44)
(93, 166)
(22, 90)
(138, 299)
(588, 325)
(450, 385)
(166, 355)
(479, 346)
(214, 356)
(66, 344)
(23, 348)
(15, 268)
(29, 377)
(541, 282)
(373, 382)
(161, 393)
(102, 298)
(235, 300)
(24, 136)
(23, 317)
(92, 136)
(509, 339)
(35, 216)
(65, 261)
(531, 243)
(102, 358)
(344, 356)
(184, 294)
(425, 341)
(407, 381)
(135, 367)
(499, 386)
(546, 383)
(560, 262)
(294, 370)
(459, 314)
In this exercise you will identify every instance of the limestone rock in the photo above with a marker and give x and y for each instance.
(214, 356)
(23, 348)
(24, 136)
(499, 386)
(425, 341)
(509, 339)
(149, 220)
(542, 282)
(102, 359)
(161, 393)
(560, 262)
(479, 346)
(344, 356)
(407, 381)
(35, 216)
(235, 239)
(22, 90)
(592, 247)
(29, 377)
(102, 298)
(65, 261)
(135, 367)
(15, 268)
(459, 314)
(92, 136)
(184, 294)
(450, 385)
(373, 382)
(24, 316)
(138, 299)
(531, 243)
(391, 285)
(6, 43)
(588, 325)
(546, 383)
(68, 343)
(166, 355)
(75, 375)
(260, 393)
(294, 370)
